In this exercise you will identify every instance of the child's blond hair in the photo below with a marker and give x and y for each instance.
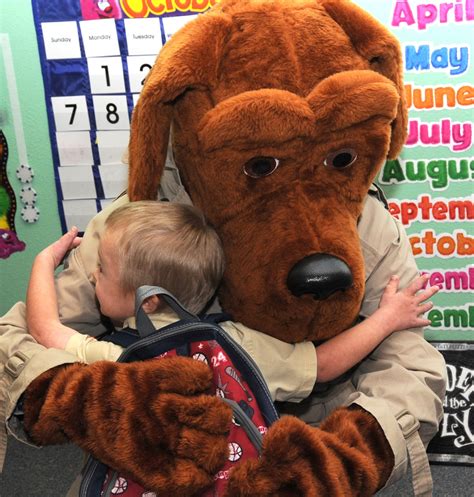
(169, 245)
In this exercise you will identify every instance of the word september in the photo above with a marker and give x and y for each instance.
(426, 209)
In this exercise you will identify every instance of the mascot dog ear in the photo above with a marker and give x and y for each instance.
(376, 45)
(188, 61)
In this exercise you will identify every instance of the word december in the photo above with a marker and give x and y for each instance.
(452, 318)
(439, 172)
(429, 13)
(426, 209)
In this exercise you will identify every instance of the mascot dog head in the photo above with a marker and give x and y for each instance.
(281, 115)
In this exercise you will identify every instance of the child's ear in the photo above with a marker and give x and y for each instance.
(151, 304)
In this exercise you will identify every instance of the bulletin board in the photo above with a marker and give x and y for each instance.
(95, 56)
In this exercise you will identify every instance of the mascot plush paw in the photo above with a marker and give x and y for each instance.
(143, 419)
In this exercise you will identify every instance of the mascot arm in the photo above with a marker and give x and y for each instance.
(347, 455)
(149, 420)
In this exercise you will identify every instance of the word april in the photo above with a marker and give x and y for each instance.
(429, 13)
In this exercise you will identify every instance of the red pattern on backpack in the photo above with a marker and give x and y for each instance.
(229, 384)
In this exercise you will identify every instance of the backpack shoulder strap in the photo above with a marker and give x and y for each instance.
(378, 193)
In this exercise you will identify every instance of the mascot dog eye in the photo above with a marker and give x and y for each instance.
(259, 167)
(341, 158)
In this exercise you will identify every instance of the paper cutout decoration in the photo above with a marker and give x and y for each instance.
(9, 241)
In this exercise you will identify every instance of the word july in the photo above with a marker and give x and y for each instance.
(429, 13)
(457, 136)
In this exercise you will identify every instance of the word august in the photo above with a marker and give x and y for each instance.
(430, 13)
(438, 172)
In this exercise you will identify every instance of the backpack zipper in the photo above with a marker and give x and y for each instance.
(111, 485)
(247, 424)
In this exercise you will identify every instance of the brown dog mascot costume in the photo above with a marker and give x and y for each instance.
(281, 115)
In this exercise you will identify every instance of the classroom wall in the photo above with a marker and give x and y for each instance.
(24, 123)
(434, 170)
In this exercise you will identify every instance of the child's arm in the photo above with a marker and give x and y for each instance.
(41, 301)
(398, 310)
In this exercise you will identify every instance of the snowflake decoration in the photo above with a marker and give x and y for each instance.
(25, 173)
(30, 214)
(28, 195)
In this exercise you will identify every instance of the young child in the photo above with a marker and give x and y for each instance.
(170, 245)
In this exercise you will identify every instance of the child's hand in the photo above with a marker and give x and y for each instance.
(404, 309)
(57, 250)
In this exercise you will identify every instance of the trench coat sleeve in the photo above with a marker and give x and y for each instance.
(76, 296)
(405, 375)
(22, 359)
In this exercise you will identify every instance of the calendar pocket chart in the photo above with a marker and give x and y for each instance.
(95, 56)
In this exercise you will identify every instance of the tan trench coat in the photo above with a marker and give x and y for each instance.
(402, 383)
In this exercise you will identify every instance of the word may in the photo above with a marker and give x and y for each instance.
(431, 244)
(452, 318)
(419, 58)
(428, 13)
(439, 96)
(459, 280)
(143, 8)
(424, 209)
(457, 136)
(438, 171)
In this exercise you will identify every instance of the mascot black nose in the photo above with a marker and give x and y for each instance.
(319, 275)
